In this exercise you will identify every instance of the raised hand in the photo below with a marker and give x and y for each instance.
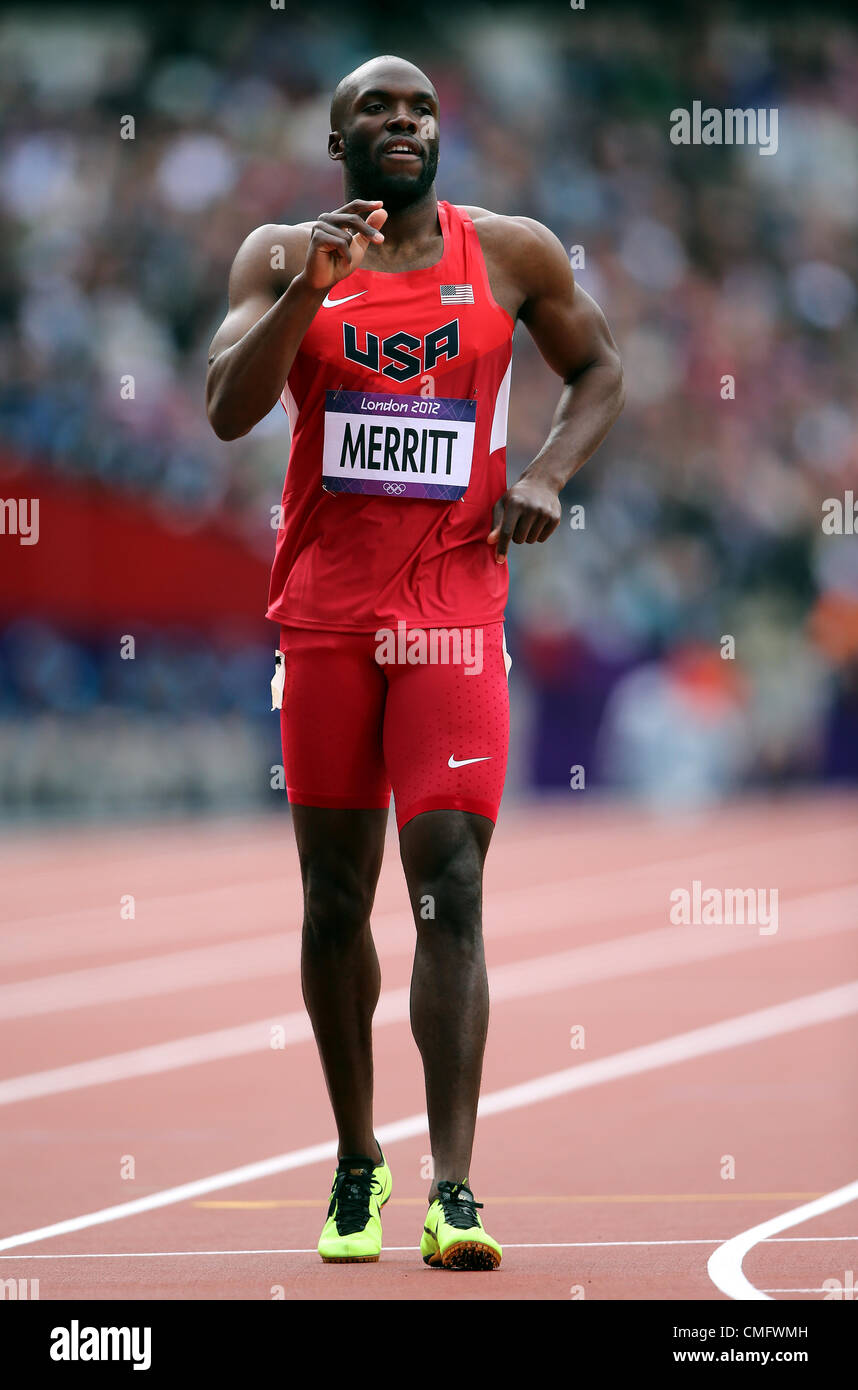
(339, 240)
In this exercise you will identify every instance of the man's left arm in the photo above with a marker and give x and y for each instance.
(572, 335)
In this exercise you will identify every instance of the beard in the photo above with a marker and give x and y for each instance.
(396, 191)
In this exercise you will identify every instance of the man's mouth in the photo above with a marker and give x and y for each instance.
(402, 149)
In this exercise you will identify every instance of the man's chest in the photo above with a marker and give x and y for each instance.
(403, 332)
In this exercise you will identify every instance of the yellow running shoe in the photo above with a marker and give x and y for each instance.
(352, 1232)
(453, 1236)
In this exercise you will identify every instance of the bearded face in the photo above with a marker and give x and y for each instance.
(398, 180)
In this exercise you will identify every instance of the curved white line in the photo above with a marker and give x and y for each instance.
(725, 1263)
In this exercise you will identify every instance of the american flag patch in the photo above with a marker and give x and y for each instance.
(457, 294)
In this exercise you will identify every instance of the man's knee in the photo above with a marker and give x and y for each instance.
(337, 903)
(446, 894)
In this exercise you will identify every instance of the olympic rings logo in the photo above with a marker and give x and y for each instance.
(394, 488)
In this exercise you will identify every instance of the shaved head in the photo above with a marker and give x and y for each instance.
(367, 75)
(384, 129)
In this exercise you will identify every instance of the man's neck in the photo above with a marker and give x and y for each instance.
(408, 232)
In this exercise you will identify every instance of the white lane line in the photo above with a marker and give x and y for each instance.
(529, 1245)
(207, 915)
(725, 1263)
(165, 1254)
(195, 968)
(182, 1052)
(623, 956)
(827, 1005)
(388, 1249)
(810, 1009)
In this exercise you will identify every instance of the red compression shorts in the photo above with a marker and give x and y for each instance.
(360, 718)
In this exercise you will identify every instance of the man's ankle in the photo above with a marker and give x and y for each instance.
(460, 1182)
(362, 1150)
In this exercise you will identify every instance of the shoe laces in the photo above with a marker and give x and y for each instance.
(459, 1210)
(354, 1184)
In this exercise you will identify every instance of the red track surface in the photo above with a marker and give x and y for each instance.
(613, 1190)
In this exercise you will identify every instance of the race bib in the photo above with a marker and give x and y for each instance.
(398, 446)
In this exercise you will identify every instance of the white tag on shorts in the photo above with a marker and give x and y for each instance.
(277, 680)
(398, 446)
(507, 659)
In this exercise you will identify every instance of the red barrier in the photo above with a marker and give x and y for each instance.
(102, 558)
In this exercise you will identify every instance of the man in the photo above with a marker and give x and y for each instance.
(386, 329)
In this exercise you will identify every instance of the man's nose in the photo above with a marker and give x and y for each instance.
(402, 118)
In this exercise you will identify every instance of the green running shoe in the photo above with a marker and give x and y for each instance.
(352, 1231)
(453, 1235)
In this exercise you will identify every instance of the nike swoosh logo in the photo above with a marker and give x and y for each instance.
(332, 303)
(463, 762)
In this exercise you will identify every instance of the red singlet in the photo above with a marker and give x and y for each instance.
(354, 561)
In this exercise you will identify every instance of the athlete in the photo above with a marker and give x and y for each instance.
(386, 328)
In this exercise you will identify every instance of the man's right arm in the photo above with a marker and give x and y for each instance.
(269, 313)
(271, 309)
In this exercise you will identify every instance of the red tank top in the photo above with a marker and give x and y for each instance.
(387, 502)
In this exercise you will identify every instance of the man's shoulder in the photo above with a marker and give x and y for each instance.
(520, 230)
(521, 245)
(274, 234)
(271, 255)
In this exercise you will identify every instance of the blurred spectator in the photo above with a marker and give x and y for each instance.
(676, 732)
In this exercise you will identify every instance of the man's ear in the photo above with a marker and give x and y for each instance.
(336, 148)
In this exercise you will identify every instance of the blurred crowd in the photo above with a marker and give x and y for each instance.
(695, 630)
